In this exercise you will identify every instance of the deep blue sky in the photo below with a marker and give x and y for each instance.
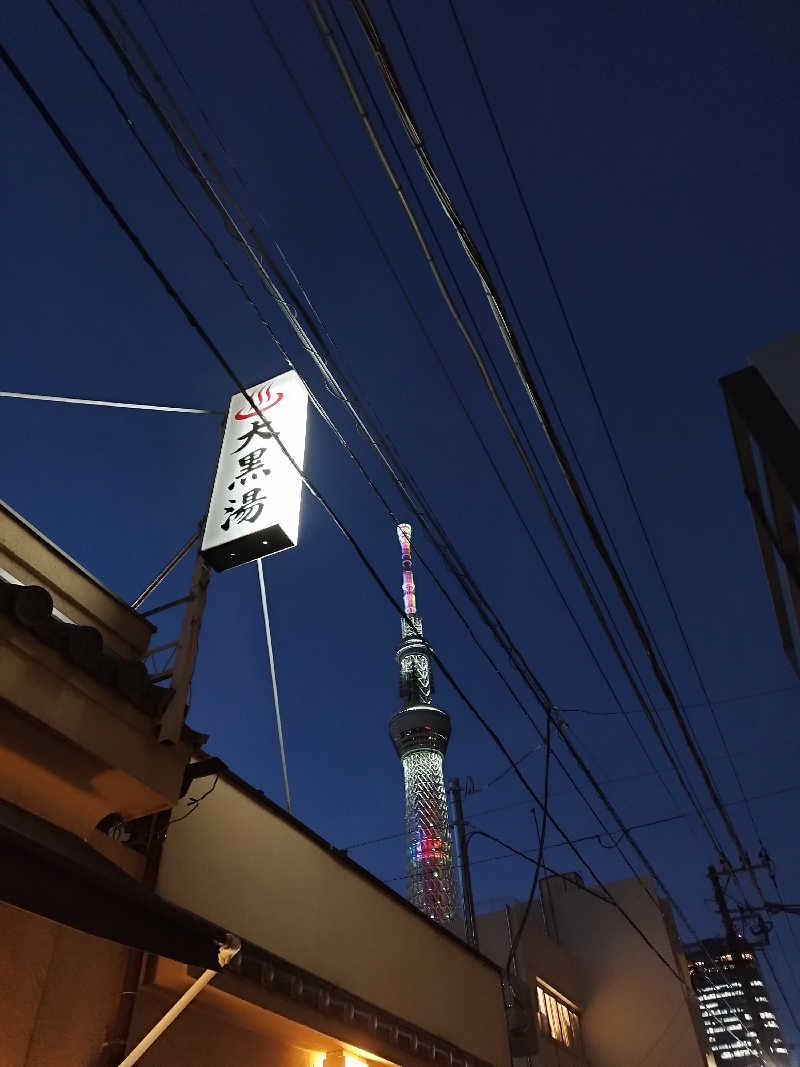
(657, 145)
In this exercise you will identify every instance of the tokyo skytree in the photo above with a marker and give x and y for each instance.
(420, 732)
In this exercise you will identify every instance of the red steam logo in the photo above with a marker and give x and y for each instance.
(263, 400)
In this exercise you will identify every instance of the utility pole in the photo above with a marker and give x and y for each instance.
(740, 965)
(470, 927)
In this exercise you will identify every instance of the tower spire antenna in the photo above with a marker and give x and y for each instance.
(420, 732)
(409, 588)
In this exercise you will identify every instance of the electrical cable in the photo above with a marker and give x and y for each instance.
(512, 952)
(564, 533)
(327, 145)
(595, 398)
(192, 320)
(502, 855)
(327, 35)
(338, 435)
(244, 394)
(616, 455)
(646, 636)
(504, 284)
(215, 198)
(495, 302)
(194, 323)
(609, 899)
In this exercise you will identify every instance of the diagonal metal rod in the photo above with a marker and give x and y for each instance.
(162, 574)
(274, 681)
(108, 403)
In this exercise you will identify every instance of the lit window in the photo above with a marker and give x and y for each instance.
(557, 1019)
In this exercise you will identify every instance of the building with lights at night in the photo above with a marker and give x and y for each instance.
(115, 906)
(420, 733)
(734, 1005)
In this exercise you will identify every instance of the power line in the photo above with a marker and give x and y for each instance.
(220, 358)
(483, 607)
(589, 585)
(771, 794)
(593, 393)
(607, 899)
(332, 45)
(445, 140)
(506, 329)
(700, 704)
(540, 853)
(183, 148)
(613, 447)
(304, 338)
(269, 283)
(215, 198)
(209, 240)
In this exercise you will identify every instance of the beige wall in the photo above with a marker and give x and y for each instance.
(251, 871)
(538, 957)
(59, 991)
(636, 1012)
(203, 1037)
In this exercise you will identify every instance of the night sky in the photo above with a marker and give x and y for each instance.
(657, 146)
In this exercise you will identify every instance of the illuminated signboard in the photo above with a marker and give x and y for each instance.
(255, 503)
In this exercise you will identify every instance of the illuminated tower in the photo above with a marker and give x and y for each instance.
(420, 732)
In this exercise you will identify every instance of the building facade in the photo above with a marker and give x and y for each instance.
(763, 402)
(734, 1004)
(598, 995)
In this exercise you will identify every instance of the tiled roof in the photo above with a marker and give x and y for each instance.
(32, 607)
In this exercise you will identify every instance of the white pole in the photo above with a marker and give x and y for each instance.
(274, 682)
(170, 1017)
(226, 954)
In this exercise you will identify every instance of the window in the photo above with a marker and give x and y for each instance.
(557, 1019)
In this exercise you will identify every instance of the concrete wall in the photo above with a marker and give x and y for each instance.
(253, 871)
(538, 957)
(635, 1011)
(59, 991)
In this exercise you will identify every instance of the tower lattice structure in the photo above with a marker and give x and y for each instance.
(420, 732)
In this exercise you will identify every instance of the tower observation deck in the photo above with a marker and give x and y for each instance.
(420, 732)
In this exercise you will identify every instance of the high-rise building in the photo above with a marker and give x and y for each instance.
(739, 1020)
(420, 733)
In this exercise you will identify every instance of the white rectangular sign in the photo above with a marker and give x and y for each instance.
(255, 503)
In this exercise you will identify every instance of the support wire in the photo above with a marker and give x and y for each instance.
(273, 675)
